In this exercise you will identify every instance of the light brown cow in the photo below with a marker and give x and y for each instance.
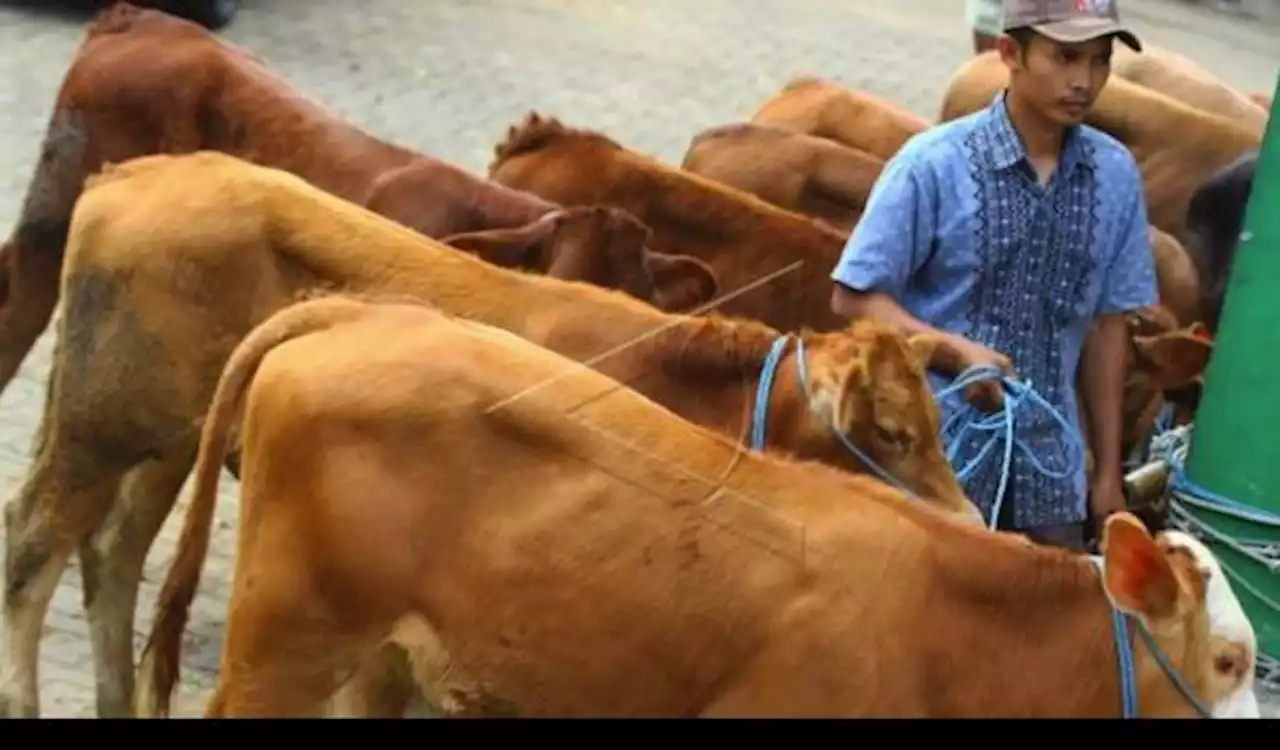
(1181, 78)
(154, 307)
(1176, 277)
(144, 82)
(799, 172)
(624, 562)
(1177, 146)
(742, 237)
(858, 119)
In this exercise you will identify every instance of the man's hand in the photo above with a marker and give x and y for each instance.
(1106, 497)
(987, 395)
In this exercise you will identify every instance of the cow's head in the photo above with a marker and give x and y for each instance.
(1166, 363)
(1173, 584)
(868, 382)
(600, 245)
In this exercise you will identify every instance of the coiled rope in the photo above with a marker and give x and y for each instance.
(1002, 427)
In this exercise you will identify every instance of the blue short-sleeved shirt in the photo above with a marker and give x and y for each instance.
(960, 233)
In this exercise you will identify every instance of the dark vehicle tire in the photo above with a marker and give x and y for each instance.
(212, 14)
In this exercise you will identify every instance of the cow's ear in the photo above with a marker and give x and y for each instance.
(682, 281)
(1137, 575)
(1173, 360)
(515, 247)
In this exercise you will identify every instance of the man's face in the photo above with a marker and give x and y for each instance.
(1060, 80)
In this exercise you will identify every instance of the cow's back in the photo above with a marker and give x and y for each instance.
(1180, 78)
(611, 527)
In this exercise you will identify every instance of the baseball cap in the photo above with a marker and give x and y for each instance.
(1070, 20)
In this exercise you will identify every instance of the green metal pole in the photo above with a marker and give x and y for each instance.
(1235, 448)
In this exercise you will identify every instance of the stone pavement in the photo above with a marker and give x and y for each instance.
(448, 78)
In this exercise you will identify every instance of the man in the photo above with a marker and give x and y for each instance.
(984, 18)
(1011, 231)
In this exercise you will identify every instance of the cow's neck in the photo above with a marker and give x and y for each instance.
(687, 199)
(1037, 634)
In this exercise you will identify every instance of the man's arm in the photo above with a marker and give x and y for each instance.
(889, 243)
(1128, 283)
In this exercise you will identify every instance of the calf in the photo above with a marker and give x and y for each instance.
(743, 238)
(1177, 146)
(799, 172)
(155, 305)
(1181, 78)
(624, 562)
(144, 82)
(858, 119)
(1215, 221)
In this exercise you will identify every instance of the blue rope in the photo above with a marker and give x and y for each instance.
(1017, 394)
(1124, 654)
(760, 413)
(1179, 482)
(1002, 425)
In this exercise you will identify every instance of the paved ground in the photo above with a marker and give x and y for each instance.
(447, 78)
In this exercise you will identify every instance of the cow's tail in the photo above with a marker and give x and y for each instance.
(158, 670)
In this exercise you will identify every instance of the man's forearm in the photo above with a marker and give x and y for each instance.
(850, 304)
(1104, 373)
(856, 305)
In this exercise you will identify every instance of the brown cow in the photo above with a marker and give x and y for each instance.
(1176, 277)
(1177, 146)
(600, 245)
(624, 562)
(1179, 77)
(799, 172)
(858, 119)
(145, 82)
(154, 307)
(1167, 362)
(742, 237)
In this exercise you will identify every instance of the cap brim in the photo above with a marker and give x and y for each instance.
(1084, 29)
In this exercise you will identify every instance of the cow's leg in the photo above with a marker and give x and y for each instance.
(62, 500)
(280, 664)
(112, 561)
(285, 651)
(32, 258)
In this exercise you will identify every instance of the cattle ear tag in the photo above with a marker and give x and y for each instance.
(1136, 574)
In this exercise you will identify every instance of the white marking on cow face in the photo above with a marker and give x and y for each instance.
(1228, 622)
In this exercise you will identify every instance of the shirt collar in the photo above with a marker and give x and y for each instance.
(1007, 150)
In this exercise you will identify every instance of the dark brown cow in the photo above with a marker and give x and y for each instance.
(625, 562)
(803, 173)
(826, 109)
(144, 82)
(742, 237)
(155, 306)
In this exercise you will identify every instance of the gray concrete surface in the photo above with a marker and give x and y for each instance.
(449, 77)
